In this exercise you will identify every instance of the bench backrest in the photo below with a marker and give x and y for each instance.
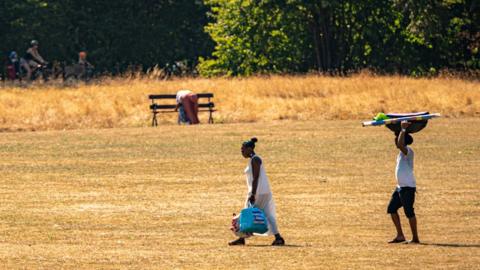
(210, 105)
(173, 96)
(169, 106)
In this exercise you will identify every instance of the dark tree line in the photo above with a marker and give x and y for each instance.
(116, 34)
(242, 37)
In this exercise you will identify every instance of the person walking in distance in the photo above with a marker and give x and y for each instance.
(259, 192)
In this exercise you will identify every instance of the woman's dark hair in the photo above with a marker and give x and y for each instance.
(250, 143)
(408, 139)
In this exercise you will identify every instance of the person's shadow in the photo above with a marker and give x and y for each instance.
(457, 245)
(453, 245)
(284, 246)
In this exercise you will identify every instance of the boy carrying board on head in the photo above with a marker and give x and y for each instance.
(404, 194)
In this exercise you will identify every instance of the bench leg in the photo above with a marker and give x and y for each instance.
(210, 118)
(154, 120)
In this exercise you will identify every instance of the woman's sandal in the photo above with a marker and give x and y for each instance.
(238, 242)
(278, 242)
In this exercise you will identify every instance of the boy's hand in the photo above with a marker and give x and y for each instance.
(405, 124)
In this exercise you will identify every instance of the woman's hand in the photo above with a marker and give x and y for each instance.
(252, 199)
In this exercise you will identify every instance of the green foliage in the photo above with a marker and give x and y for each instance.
(254, 37)
(417, 37)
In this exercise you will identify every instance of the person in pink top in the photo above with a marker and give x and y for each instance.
(189, 101)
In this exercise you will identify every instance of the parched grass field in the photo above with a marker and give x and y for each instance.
(160, 198)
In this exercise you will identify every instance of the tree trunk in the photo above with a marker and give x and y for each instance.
(327, 56)
(322, 39)
(316, 41)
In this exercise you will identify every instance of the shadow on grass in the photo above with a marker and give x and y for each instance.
(451, 245)
(266, 245)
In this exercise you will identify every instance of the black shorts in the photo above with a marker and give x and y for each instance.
(403, 197)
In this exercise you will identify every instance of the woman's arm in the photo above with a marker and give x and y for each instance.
(256, 162)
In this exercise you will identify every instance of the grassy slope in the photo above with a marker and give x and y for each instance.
(163, 197)
(124, 103)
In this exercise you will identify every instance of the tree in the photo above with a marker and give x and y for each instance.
(254, 37)
(401, 36)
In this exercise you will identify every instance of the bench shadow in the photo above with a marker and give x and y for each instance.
(457, 245)
(267, 245)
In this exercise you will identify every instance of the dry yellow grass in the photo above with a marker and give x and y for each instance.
(161, 198)
(124, 103)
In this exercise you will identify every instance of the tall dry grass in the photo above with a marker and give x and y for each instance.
(124, 103)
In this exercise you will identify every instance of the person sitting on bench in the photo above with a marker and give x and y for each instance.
(189, 101)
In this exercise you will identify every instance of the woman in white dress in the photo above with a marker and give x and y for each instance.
(259, 192)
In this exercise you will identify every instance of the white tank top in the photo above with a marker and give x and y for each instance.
(404, 169)
(263, 186)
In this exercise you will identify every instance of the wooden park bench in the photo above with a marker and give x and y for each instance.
(170, 108)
